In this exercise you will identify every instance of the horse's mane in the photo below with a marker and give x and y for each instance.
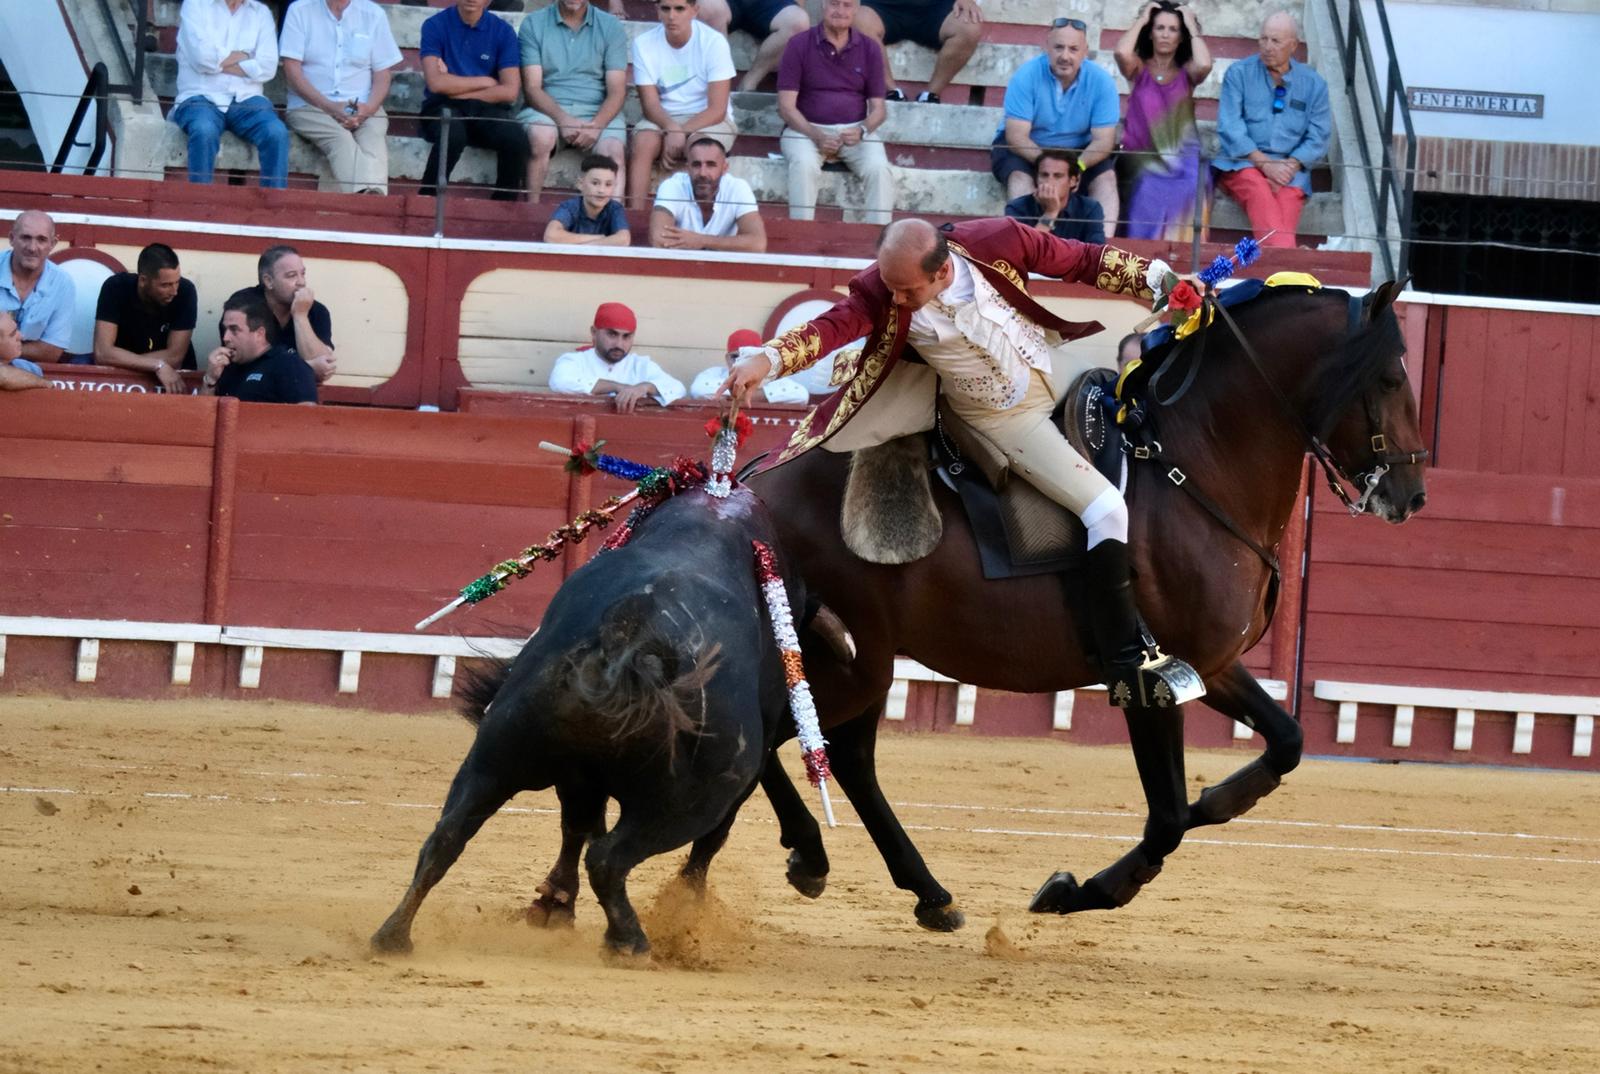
(1353, 368)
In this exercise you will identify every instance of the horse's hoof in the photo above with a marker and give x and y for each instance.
(946, 917)
(809, 884)
(1061, 894)
(551, 910)
(391, 942)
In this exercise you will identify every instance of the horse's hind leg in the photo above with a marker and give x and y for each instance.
(583, 817)
(798, 831)
(1236, 694)
(475, 796)
(1157, 739)
(852, 749)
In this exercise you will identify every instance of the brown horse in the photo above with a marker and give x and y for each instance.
(1332, 374)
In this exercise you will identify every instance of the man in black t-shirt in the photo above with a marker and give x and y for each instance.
(145, 320)
(299, 323)
(248, 367)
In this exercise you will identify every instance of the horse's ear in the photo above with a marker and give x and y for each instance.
(1387, 292)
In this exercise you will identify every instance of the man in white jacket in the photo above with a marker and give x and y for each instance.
(611, 368)
(227, 49)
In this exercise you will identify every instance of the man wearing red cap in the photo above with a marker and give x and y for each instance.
(611, 368)
(782, 390)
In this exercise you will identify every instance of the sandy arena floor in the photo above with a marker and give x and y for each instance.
(190, 887)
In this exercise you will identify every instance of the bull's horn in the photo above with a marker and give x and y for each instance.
(831, 629)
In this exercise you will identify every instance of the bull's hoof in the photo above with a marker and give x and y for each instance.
(625, 953)
(551, 910)
(940, 915)
(387, 941)
(807, 883)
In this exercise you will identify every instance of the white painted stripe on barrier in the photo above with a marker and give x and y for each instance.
(1404, 717)
(183, 663)
(1583, 736)
(894, 708)
(250, 667)
(88, 659)
(1442, 698)
(1522, 737)
(444, 676)
(1465, 720)
(966, 705)
(1061, 714)
(350, 671)
(2, 655)
(1345, 732)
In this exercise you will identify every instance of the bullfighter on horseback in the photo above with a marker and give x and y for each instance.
(948, 311)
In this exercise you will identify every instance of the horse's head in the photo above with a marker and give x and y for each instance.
(1363, 410)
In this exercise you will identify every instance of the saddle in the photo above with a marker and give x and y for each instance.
(1020, 531)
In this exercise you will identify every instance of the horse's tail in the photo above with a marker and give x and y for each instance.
(645, 681)
(479, 685)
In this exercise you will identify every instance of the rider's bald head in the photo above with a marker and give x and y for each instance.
(907, 242)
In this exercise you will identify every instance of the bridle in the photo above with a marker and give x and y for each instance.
(1364, 481)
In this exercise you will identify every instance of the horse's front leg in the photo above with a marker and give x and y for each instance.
(1237, 695)
(852, 750)
(1157, 739)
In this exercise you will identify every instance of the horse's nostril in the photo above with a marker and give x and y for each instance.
(1417, 501)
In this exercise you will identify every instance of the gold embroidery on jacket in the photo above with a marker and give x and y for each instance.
(1123, 273)
(867, 370)
(797, 348)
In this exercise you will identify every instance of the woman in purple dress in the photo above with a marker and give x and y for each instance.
(1164, 58)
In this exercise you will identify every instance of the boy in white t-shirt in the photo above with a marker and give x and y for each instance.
(705, 208)
(683, 71)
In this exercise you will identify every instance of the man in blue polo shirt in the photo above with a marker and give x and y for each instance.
(39, 295)
(1060, 100)
(472, 65)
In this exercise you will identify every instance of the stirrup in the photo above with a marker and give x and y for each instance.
(1160, 682)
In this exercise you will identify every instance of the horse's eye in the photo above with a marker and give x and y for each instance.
(1392, 384)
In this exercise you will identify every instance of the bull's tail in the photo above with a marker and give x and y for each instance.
(478, 686)
(649, 683)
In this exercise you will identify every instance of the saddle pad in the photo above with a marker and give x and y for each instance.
(1020, 531)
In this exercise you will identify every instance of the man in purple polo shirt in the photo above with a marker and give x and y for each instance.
(831, 99)
(473, 65)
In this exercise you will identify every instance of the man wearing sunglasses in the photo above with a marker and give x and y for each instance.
(1273, 124)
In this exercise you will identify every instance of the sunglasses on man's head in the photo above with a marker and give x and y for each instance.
(1278, 95)
(1076, 24)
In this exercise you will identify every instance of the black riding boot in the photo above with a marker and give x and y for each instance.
(1137, 672)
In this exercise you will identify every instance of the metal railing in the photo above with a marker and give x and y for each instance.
(96, 92)
(1392, 187)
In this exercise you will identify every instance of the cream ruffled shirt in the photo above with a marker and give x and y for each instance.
(982, 349)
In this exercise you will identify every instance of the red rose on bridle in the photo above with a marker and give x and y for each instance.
(1183, 297)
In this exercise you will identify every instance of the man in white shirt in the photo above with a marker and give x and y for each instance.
(611, 368)
(338, 58)
(683, 71)
(782, 390)
(227, 49)
(705, 208)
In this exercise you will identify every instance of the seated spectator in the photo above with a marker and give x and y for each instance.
(1060, 100)
(1163, 57)
(683, 70)
(338, 58)
(709, 380)
(705, 208)
(1129, 347)
(830, 97)
(771, 22)
(594, 217)
(250, 367)
(1273, 124)
(145, 320)
(1055, 206)
(575, 79)
(471, 63)
(611, 368)
(952, 28)
(17, 374)
(227, 51)
(298, 322)
(32, 288)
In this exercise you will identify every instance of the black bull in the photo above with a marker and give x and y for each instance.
(654, 679)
